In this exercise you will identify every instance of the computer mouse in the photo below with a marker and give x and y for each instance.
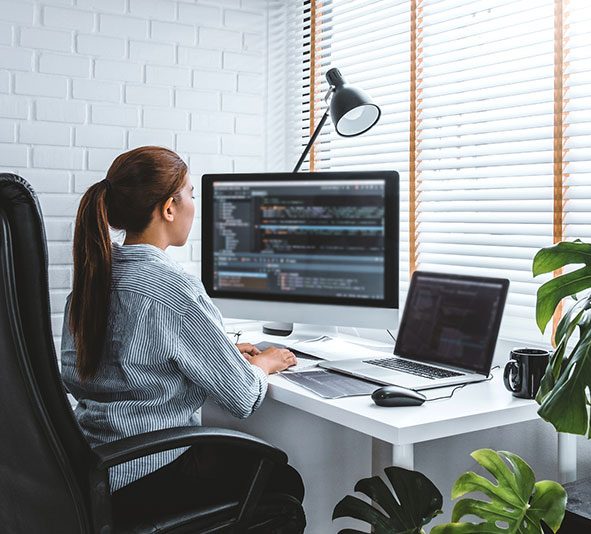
(397, 396)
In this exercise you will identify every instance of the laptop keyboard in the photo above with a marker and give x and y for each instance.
(413, 368)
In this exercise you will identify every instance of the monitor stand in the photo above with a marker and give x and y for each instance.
(278, 329)
(286, 329)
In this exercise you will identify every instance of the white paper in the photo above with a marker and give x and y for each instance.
(304, 364)
(332, 349)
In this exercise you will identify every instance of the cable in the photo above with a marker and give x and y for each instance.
(487, 379)
(390, 333)
(236, 335)
(448, 396)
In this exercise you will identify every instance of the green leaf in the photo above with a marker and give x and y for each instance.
(566, 405)
(570, 317)
(354, 507)
(552, 292)
(564, 253)
(375, 488)
(465, 528)
(408, 485)
(565, 387)
(417, 501)
(516, 503)
(548, 504)
(552, 372)
(564, 332)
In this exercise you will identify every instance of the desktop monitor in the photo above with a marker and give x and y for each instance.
(314, 248)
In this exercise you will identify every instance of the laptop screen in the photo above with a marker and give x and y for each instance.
(452, 320)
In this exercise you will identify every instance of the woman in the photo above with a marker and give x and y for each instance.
(143, 346)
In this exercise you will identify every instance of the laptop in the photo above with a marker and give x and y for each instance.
(447, 335)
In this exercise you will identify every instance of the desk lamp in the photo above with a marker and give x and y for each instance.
(352, 111)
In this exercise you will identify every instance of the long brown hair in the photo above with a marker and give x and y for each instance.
(136, 183)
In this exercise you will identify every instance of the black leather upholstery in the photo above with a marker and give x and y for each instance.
(273, 515)
(50, 479)
(44, 458)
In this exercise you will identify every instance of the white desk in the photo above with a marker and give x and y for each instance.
(395, 431)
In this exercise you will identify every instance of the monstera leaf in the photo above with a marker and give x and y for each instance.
(516, 503)
(566, 404)
(552, 292)
(566, 328)
(565, 388)
(549, 259)
(417, 501)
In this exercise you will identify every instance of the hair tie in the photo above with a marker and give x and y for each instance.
(107, 183)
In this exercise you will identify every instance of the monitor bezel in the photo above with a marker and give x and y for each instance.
(391, 239)
(503, 284)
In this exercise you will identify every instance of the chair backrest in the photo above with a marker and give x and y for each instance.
(44, 459)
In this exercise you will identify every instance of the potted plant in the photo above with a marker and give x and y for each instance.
(564, 390)
(516, 503)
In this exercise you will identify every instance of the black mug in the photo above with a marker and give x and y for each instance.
(524, 371)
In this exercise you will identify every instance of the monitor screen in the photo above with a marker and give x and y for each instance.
(309, 237)
(452, 320)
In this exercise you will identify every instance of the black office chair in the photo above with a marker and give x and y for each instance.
(51, 480)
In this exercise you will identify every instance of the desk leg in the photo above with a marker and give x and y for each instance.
(567, 457)
(385, 454)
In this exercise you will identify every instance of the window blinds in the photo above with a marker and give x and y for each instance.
(485, 161)
(368, 41)
(577, 120)
(288, 82)
(471, 122)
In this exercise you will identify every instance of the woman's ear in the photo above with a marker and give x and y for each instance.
(168, 210)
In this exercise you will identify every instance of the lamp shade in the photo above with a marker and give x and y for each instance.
(352, 111)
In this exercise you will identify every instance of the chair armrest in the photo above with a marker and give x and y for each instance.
(140, 445)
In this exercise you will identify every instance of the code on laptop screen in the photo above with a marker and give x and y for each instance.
(452, 320)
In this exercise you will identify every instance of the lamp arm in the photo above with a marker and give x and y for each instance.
(312, 139)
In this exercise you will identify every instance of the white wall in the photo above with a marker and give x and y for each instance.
(83, 80)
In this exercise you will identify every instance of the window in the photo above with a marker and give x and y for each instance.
(486, 116)
(484, 161)
(577, 119)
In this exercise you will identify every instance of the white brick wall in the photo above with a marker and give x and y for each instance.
(83, 80)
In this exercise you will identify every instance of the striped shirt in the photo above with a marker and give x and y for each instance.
(165, 352)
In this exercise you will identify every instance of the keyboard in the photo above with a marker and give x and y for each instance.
(413, 368)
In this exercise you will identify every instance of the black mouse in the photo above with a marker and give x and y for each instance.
(397, 396)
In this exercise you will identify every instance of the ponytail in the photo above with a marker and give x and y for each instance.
(89, 304)
(136, 182)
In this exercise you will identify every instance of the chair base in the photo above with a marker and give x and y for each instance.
(278, 514)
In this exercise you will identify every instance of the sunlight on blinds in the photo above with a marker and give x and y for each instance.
(501, 125)
(485, 144)
(368, 42)
(577, 119)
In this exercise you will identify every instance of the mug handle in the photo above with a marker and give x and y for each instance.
(511, 376)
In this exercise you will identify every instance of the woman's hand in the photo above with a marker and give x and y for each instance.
(273, 360)
(247, 349)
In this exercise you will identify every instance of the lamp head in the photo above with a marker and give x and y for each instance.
(352, 111)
